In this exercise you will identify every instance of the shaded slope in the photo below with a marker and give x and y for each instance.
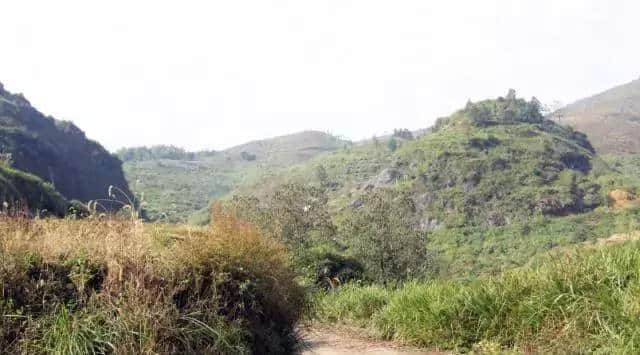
(56, 151)
(610, 119)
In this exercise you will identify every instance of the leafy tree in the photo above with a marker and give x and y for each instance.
(383, 236)
(321, 175)
(393, 144)
(248, 156)
(159, 152)
(504, 110)
(403, 133)
(296, 214)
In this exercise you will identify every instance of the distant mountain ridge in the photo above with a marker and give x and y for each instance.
(610, 119)
(56, 151)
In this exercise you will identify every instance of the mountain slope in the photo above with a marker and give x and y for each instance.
(610, 119)
(175, 188)
(492, 185)
(478, 167)
(56, 151)
(19, 191)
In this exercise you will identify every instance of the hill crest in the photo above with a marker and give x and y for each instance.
(56, 151)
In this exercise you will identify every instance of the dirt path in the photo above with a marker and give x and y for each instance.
(333, 340)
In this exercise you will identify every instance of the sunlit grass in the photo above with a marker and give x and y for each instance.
(107, 285)
(576, 302)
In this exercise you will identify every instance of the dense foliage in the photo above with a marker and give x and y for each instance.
(382, 234)
(160, 152)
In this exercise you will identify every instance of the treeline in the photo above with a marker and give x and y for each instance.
(509, 109)
(161, 152)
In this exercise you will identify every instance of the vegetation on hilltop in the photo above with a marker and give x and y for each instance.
(57, 152)
(160, 152)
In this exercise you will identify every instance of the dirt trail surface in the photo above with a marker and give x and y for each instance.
(333, 340)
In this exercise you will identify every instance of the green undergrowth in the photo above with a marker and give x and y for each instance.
(20, 190)
(476, 251)
(580, 301)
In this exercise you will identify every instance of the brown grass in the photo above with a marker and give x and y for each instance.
(144, 288)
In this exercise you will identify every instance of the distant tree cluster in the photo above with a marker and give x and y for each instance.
(392, 144)
(160, 152)
(509, 109)
(403, 133)
(248, 156)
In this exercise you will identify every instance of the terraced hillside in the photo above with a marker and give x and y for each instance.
(173, 189)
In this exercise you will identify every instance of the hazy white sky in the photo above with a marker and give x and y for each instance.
(211, 74)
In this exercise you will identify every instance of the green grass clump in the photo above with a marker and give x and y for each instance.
(352, 303)
(114, 286)
(577, 302)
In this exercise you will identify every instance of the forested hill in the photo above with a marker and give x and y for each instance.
(56, 151)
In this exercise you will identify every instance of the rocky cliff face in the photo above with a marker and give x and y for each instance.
(57, 151)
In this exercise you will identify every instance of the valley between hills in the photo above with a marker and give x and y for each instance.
(498, 229)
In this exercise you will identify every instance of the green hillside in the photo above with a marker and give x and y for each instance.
(57, 151)
(175, 184)
(491, 186)
(478, 167)
(610, 119)
(20, 191)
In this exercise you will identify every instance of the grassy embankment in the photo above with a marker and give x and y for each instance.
(577, 301)
(123, 287)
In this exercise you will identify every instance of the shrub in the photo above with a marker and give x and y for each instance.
(327, 268)
(382, 234)
(351, 303)
(94, 286)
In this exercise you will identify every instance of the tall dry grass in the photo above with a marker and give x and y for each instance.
(124, 287)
